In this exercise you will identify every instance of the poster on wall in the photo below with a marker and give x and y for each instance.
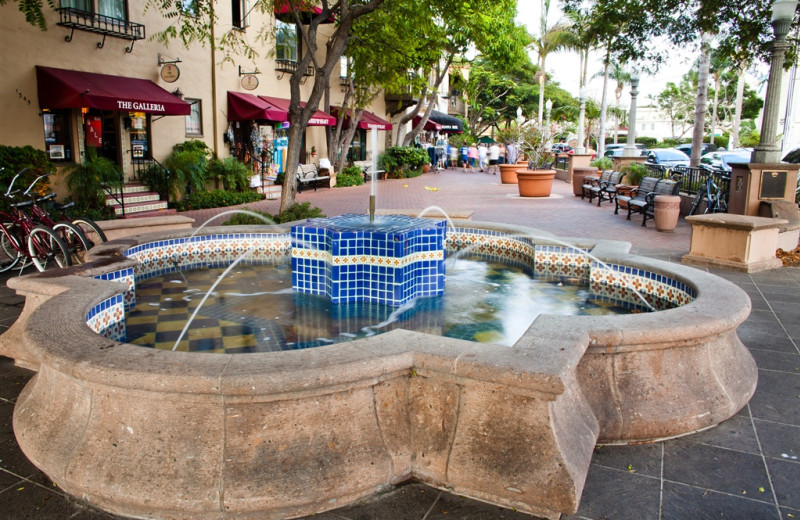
(56, 151)
(94, 131)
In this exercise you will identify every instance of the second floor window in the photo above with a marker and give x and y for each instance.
(111, 8)
(239, 11)
(285, 41)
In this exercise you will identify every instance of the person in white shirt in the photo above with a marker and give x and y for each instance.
(482, 154)
(494, 157)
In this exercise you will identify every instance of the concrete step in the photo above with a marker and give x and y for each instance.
(140, 207)
(132, 188)
(133, 198)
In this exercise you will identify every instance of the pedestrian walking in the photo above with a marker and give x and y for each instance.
(464, 151)
(502, 159)
(452, 155)
(512, 152)
(494, 157)
(473, 157)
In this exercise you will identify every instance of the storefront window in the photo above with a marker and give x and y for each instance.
(358, 150)
(57, 135)
(194, 121)
(285, 41)
(139, 133)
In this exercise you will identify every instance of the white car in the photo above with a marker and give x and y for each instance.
(722, 159)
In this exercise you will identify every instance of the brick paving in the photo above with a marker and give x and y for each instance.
(747, 468)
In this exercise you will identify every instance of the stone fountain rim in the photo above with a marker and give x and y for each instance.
(531, 365)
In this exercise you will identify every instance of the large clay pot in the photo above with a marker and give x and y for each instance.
(508, 173)
(666, 210)
(535, 183)
(578, 173)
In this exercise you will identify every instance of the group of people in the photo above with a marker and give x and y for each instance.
(484, 157)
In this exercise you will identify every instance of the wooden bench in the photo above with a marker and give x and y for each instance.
(366, 169)
(309, 174)
(642, 197)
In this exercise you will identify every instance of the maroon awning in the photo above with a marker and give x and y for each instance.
(430, 124)
(367, 122)
(319, 118)
(247, 107)
(306, 9)
(61, 88)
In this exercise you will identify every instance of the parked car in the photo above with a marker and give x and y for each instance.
(618, 152)
(669, 157)
(706, 148)
(722, 160)
(563, 148)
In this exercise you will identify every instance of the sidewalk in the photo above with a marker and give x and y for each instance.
(747, 468)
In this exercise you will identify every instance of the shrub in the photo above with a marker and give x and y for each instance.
(86, 179)
(648, 142)
(296, 211)
(397, 159)
(603, 163)
(633, 173)
(188, 169)
(350, 176)
(216, 199)
(233, 174)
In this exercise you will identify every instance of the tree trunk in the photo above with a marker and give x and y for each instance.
(737, 114)
(601, 140)
(714, 107)
(701, 105)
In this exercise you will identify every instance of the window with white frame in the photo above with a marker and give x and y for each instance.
(194, 121)
(112, 8)
(240, 10)
(285, 41)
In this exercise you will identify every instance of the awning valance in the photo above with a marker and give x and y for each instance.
(430, 124)
(450, 124)
(243, 107)
(61, 88)
(368, 120)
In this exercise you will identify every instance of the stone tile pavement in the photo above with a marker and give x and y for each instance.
(747, 468)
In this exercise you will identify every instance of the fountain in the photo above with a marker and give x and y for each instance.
(155, 433)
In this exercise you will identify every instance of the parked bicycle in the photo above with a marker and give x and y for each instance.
(716, 197)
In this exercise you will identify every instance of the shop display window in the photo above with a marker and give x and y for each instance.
(57, 135)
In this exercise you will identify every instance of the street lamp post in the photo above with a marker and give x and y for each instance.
(768, 150)
(549, 107)
(581, 116)
(630, 148)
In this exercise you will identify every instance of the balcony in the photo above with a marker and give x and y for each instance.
(456, 106)
(100, 24)
(283, 66)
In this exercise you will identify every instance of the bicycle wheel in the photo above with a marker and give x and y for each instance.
(46, 249)
(90, 229)
(697, 200)
(9, 253)
(75, 240)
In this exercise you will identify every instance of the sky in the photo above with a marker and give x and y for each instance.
(564, 67)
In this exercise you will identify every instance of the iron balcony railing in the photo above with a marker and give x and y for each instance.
(284, 66)
(100, 24)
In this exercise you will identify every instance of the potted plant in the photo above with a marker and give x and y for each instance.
(537, 179)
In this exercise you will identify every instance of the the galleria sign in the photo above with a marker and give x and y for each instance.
(140, 107)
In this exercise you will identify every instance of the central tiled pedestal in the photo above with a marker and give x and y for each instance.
(392, 261)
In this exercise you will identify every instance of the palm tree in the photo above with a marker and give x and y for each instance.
(701, 105)
(618, 73)
(550, 40)
(718, 66)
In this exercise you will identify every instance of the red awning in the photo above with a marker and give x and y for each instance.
(60, 88)
(306, 9)
(430, 124)
(244, 107)
(368, 120)
(318, 118)
(247, 107)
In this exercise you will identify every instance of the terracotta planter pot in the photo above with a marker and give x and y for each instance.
(666, 210)
(508, 173)
(578, 173)
(535, 183)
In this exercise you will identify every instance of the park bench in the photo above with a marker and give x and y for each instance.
(309, 174)
(642, 197)
(606, 190)
(366, 169)
(591, 181)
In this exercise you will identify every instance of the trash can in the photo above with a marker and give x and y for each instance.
(666, 211)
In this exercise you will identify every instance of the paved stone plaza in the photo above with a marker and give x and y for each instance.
(746, 468)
